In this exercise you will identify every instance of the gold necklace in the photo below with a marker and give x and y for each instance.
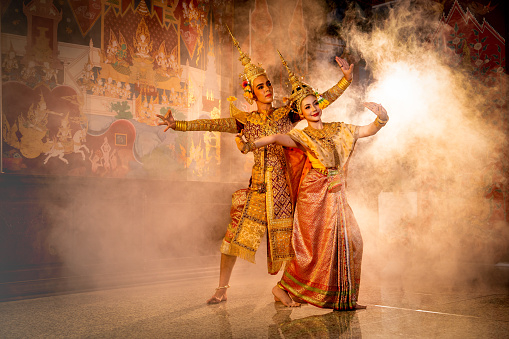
(324, 137)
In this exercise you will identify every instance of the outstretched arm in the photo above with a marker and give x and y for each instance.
(337, 90)
(280, 139)
(228, 125)
(380, 121)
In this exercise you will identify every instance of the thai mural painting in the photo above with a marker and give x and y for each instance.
(83, 81)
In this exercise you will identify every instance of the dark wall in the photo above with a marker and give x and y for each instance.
(68, 234)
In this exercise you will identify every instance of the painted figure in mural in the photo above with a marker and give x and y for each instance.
(64, 134)
(122, 51)
(88, 73)
(127, 91)
(79, 138)
(49, 72)
(106, 149)
(10, 63)
(142, 41)
(267, 203)
(112, 49)
(33, 130)
(96, 160)
(326, 269)
(28, 73)
(161, 58)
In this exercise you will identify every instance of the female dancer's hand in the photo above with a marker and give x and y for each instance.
(347, 69)
(378, 109)
(167, 120)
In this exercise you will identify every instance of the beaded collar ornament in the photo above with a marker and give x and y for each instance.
(251, 71)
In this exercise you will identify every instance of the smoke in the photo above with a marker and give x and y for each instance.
(418, 187)
(119, 232)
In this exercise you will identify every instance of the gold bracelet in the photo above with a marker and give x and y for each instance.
(379, 123)
(245, 148)
(343, 84)
(250, 146)
(181, 126)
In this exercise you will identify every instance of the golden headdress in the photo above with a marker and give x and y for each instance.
(300, 90)
(251, 71)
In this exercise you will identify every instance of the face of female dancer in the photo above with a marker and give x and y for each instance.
(263, 91)
(311, 109)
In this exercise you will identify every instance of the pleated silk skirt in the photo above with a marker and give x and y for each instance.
(327, 241)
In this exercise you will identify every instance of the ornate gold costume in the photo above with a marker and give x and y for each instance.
(323, 143)
(267, 203)
(328, 244)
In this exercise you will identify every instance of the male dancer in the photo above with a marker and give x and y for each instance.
(267, 203)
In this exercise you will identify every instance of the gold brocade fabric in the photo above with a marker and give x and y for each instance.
(335, 91)
(331, 145)
(326, 238)
(267, 204)
(326, 269)
(228, 125)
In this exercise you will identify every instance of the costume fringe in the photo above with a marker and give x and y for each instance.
(229, 249)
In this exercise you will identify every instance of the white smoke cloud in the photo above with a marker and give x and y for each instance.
(439, 144)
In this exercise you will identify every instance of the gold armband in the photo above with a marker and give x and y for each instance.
(228, 125)
(335, 92)
(343, 84)
(379, 123)
(181, 126)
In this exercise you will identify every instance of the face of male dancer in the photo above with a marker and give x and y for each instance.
(311, 109)
(263, 91)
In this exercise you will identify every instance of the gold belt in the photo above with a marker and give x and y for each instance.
(328, 172)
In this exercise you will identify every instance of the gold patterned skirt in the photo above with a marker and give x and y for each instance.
(327, 242)
(252, 214)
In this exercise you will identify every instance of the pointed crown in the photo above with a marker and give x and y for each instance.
(300, 89)
(251, 71)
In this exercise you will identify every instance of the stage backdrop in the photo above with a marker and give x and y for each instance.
(82, 82)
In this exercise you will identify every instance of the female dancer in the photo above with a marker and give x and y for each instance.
(326, 239)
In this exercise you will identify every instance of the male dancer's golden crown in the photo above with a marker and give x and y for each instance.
(251, 71)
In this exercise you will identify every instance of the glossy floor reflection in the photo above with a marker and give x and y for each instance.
(177, 309)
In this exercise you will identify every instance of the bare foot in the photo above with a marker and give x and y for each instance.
(299, 300)
(280, 295)
(218, 297)
(360, 307)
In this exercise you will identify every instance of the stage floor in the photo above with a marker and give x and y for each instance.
(177, 309)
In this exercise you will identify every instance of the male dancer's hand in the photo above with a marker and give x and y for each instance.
(378, 109)
(240, 141)
(347, 69)
(167, 120)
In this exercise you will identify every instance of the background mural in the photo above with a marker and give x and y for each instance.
(82, 66)
(82, 82)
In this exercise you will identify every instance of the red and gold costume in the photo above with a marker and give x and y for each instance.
(267, 203)
(326, 269)
(327, 241)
